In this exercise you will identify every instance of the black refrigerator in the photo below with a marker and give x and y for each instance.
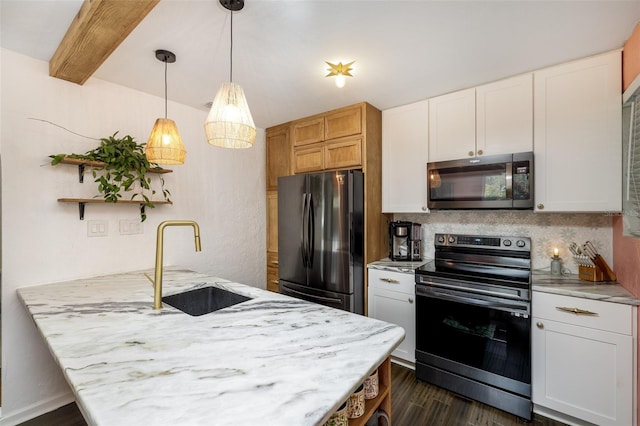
(321, 238)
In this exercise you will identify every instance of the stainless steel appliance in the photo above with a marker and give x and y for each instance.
(473, 325)
(492, 182)
(321, 238)
(405, 239)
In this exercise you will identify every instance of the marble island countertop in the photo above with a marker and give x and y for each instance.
(272, 360)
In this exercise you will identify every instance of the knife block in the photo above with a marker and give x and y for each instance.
(588, 273)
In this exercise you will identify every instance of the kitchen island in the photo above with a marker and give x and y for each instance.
(272, 360)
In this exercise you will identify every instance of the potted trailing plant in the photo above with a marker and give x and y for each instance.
(125, 163)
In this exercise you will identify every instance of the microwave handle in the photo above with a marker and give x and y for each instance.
(509, 179)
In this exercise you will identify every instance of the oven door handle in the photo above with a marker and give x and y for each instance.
(476, 300)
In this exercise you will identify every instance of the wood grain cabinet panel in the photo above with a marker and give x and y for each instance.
(308, 131)
(343, 154)
(346, 122)
(272, 222)
(308, 159)
(278, 155)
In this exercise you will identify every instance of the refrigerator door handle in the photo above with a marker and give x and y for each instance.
(310, 232)
(303, 243)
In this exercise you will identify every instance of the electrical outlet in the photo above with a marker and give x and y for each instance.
(97, 228)
(130, 227)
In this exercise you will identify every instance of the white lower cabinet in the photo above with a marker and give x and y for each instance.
(584, 360)
(392, 299)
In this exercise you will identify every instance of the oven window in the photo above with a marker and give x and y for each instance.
(484, 182)
(488, 339)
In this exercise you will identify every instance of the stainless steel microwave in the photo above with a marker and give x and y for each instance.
(492, 182)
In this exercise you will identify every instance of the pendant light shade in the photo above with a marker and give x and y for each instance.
(229, 123)
(165, 144)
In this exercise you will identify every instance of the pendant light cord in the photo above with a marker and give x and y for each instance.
(231, 52)
(165, 87)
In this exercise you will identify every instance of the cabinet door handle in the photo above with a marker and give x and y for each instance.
(275, 262)
(539, 324)
(411, 300)
(480, 152)
(576, 311)
(470, 153)
(424, 209)
(274, 282)
(540, 206)
(390, 280)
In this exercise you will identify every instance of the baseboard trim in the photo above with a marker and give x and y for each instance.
(35, 410)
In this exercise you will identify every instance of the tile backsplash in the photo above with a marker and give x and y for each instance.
(546, 230)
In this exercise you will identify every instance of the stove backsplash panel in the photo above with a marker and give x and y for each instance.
(546, 230)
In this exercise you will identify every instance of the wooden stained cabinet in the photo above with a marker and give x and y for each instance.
(308, 131)
(346, 122)
(344, 138)
(343, 153)
(278, 154)
(332, 155)
(272, 272)
(308, 159)
(272, 241)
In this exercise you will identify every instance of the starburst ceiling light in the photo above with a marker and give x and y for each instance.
(340, 72)
(165, 144)
(229, 123)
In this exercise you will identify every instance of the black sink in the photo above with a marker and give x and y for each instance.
(204, 300)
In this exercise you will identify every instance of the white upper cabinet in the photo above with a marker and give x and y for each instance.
(452, 126)
(578, 135)
(504, 116)
(404, 158)
(495, 118)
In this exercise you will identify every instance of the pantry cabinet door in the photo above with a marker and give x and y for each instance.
(578, 136)
(405, 152)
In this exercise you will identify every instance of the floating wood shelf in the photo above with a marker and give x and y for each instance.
(81, 163)
(83, 201)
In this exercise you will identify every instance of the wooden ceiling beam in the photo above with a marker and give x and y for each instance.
(96, 31)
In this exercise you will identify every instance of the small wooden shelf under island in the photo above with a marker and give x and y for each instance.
(382, 401)
(82, 201)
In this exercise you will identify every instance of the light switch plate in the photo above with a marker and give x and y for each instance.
(130, 227)
(97, 228)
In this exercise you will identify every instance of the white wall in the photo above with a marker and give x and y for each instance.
(44, 241)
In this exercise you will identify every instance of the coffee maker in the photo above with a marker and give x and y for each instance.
(405, 241)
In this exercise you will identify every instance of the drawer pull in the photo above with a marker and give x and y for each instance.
(274, 282)
(411, 300)
(539, 324)
(274, 262)
(390, 280)
(576, 311)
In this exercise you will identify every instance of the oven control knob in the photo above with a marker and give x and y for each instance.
(507, 243)
(520, 243)
(452, 240)
(440, 239)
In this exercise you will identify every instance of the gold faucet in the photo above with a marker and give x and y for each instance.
(157, 281)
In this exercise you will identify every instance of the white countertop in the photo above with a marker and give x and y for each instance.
(272, 360)
(387, 264)
(571, 285)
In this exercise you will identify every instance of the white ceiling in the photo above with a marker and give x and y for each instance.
(404, 50)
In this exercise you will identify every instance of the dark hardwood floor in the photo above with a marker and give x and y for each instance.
(413, 403)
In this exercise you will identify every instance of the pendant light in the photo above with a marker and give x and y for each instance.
(229, 123)
(165, 144)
